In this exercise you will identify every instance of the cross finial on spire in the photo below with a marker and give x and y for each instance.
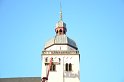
(60, 11)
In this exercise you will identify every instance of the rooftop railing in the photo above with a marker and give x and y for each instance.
(62, 52)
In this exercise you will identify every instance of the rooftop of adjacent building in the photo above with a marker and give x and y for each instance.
(21, 79)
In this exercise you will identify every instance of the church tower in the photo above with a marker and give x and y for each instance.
(60, 57)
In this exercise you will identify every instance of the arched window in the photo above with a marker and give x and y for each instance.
(60, 30)
(53, 67)
(59, 60)
(52, 59)
(70, 67)
(46, 59)
(57, 31)
(64, 32)
(66, 67)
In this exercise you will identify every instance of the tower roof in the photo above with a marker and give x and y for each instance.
(61, 40)
(60, 11)
(60, 23)
(60, 28)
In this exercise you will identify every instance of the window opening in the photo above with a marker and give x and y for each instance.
(70, 67)
(66, 67)
(53, 67)
(46, 59)
(59, 60)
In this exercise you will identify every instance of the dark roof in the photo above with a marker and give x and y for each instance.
(21, 79)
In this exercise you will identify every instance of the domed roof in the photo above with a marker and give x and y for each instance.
(60, 24)
(61, 39)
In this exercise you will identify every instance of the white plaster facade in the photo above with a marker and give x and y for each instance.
(61, 75)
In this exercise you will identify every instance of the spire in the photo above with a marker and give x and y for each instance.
(60, 25)
(60, 11)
